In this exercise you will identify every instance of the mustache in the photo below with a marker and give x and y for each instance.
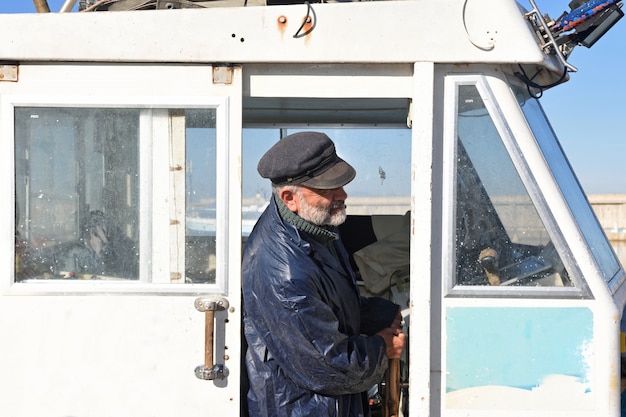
(340, 204)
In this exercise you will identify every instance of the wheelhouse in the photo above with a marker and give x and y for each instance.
(130, 148)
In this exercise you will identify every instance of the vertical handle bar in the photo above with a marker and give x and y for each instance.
(209, 305)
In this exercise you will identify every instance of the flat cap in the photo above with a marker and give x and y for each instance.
(306, 158)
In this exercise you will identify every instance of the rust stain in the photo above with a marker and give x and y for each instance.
(307, 25)
(282, 24)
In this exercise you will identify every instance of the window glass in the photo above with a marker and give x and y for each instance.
(376, 232)
(590, 227)
(90, 205)
(200, 196)
(380, 156)
(382, 160)
(76, 187)
(500, 238)
(256, 191)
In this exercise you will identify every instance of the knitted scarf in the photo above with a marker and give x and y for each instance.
(320, 233)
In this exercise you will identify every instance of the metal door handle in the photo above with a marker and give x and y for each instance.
(208, 305)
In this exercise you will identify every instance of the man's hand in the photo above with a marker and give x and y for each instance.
(397, 321)
(394, 340)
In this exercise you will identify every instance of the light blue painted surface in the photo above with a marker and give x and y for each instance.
(516, 347)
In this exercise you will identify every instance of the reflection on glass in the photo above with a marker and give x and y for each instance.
(76, 189)
(500, 238)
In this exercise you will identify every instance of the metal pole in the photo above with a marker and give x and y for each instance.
(67, 6)
(391, 402)
(41, 6)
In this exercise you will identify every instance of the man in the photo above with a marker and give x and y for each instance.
(314, 344)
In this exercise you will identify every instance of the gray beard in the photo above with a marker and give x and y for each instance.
(320, 216)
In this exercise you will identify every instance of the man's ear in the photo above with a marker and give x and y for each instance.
(290, 199)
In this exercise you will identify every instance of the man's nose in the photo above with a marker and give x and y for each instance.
(339, 194)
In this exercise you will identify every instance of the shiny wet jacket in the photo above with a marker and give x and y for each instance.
(304, 322)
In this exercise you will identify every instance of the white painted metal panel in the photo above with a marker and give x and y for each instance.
(456, 31)
(87, 348)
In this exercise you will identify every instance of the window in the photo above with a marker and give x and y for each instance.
(376, 233)
(380, 156)
(590, 227)
(115, 194)
(500, 238)
(77, 184)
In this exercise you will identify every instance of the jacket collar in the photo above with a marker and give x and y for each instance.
(322, 234)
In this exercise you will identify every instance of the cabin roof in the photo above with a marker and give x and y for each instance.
(441, 31)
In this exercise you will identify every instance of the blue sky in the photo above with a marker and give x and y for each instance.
(586, 112)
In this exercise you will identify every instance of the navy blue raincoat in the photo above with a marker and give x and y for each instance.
(304, 322)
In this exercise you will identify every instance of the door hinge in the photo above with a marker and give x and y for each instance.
(8, 72)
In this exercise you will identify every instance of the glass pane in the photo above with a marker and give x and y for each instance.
(76, 189)
(381, 158)
(500, 238)
(200, 196)
(585, 217)
(256, 190)
(376, 232)
(78, 194)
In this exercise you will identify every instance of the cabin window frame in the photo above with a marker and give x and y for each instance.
(508, 128)
(149, 175)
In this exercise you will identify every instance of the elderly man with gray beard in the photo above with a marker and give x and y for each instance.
(315, 345)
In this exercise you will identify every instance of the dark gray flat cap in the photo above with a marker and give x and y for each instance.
(306, 158)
